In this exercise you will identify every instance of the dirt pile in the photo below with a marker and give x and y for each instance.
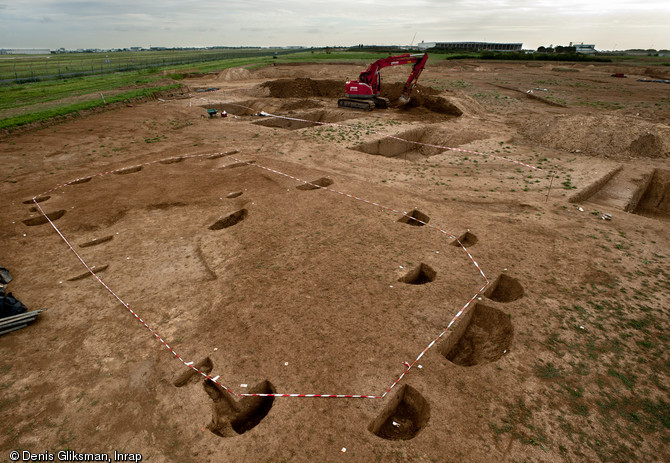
(232, 74)
(426, 97)
(393, 90)
(657, 73)
(648, 145)
(421, 97)
(304, 88)
(440, 105)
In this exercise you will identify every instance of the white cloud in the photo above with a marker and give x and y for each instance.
(76, 24)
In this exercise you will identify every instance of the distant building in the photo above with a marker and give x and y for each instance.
(25, 51)
(583, 48)
(426, 45)
(479, 46)
(640, 52)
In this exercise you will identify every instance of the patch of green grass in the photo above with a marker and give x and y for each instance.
(547, 371)
(65, 65)
(627, 379)
(14, 96)
(518, 421)
(459, 83)
(60, 111)
(603, 373)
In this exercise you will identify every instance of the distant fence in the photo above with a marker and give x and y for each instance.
(62, 66)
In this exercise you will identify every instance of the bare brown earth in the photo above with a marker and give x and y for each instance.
(276, 286)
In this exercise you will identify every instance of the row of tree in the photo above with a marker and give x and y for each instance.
(557, 49)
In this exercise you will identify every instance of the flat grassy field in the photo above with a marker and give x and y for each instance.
(29, 102)
(20, 68)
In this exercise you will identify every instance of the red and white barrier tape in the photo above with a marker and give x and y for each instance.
(215, 379)
(191, 364)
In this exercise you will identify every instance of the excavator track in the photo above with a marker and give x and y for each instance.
(366, 105)
(381, 102)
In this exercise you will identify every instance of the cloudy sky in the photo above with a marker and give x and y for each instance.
(609, 24)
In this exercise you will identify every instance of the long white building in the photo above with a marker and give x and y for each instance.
(25, 51)
(479, 46)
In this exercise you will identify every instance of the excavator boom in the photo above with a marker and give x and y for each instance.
(364, 93)
(413, 77)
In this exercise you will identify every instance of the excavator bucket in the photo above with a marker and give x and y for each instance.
(403, 100)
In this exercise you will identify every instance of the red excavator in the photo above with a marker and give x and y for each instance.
(364, 92)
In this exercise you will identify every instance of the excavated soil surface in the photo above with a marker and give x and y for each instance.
(268, 284)
(655, 201)
(405, 415)
(418, 144)
(304, 88)
(303, 120)
(486, 338)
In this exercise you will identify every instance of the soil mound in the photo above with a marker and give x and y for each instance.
(648, 146)
(426, 97)
(234, 74)
(393, 90)
(440, 105)
(657, 73)
(304, 88)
